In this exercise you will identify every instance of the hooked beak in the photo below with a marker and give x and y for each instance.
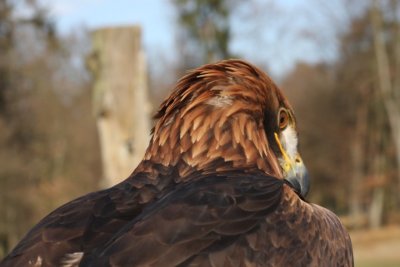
(295, 172)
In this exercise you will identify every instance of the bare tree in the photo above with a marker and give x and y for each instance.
(389, 88)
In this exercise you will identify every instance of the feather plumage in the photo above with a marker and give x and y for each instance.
(209, 191)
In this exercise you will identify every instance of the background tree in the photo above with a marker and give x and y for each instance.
(385, 21)
(47, 135)
(205, 30)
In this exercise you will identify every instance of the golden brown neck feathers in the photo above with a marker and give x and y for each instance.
(214, 121)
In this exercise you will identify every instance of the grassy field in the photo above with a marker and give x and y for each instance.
(377, 248)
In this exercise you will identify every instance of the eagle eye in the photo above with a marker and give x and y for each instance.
(283, 118)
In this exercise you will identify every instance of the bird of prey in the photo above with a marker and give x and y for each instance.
(221, 184)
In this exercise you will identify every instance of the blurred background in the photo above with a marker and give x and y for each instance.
(79, 81)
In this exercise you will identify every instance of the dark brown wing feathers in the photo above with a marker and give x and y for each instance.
(194, 217)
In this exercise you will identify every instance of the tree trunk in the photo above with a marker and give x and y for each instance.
(388, 91)
(376, 209)
(358, 151)
(121, 102)
(378, 163)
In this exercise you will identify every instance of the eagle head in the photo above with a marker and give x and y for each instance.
(227, 116)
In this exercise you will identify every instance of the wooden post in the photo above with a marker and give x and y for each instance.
(120, 98)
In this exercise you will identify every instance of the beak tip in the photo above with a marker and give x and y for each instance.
(300, 183)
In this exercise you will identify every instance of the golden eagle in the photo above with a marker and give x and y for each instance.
(221, 184)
